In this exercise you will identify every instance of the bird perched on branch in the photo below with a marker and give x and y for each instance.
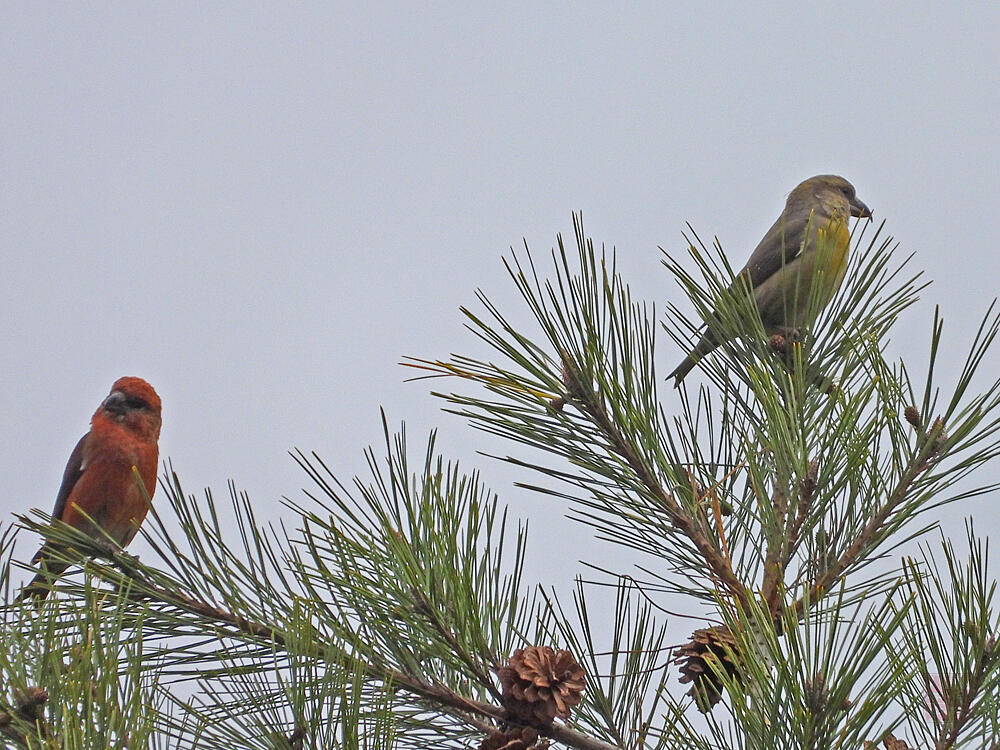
(799, 265)
(110, 477)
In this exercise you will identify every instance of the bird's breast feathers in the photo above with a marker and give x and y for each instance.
(832, 243)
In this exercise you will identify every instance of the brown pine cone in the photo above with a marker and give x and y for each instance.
(707, 646)
(540, 684)
(889, 743)
(517, 738)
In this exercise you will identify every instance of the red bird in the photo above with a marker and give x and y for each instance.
(100, 479)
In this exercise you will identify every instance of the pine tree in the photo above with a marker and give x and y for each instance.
(780, 505)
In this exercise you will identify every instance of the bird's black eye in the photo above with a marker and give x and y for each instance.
(134, 402)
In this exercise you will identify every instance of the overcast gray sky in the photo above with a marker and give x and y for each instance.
(261, 208)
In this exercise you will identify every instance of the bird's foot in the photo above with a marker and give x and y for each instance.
(107, 548)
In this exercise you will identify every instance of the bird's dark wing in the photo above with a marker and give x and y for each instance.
(780, 246)
(74, 468)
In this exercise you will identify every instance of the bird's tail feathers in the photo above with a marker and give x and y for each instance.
(49, 570)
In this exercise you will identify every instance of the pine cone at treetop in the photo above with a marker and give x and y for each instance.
(889, 743)
(540, 684)
(518, 738)
(707, 646)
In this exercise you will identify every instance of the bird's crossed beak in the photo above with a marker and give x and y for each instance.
(860, 210)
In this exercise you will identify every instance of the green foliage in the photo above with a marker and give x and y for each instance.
(947, 648)
(381, 604)
(77, 672)
(767, 503)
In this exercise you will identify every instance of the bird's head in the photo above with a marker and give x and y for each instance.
(133, 402)
(830, 194)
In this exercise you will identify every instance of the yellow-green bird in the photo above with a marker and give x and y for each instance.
(799, 265)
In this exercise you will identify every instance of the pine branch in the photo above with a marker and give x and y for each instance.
(437, 696)
(25, 722)
(869, 536)
(424, 608)
(591, 404)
